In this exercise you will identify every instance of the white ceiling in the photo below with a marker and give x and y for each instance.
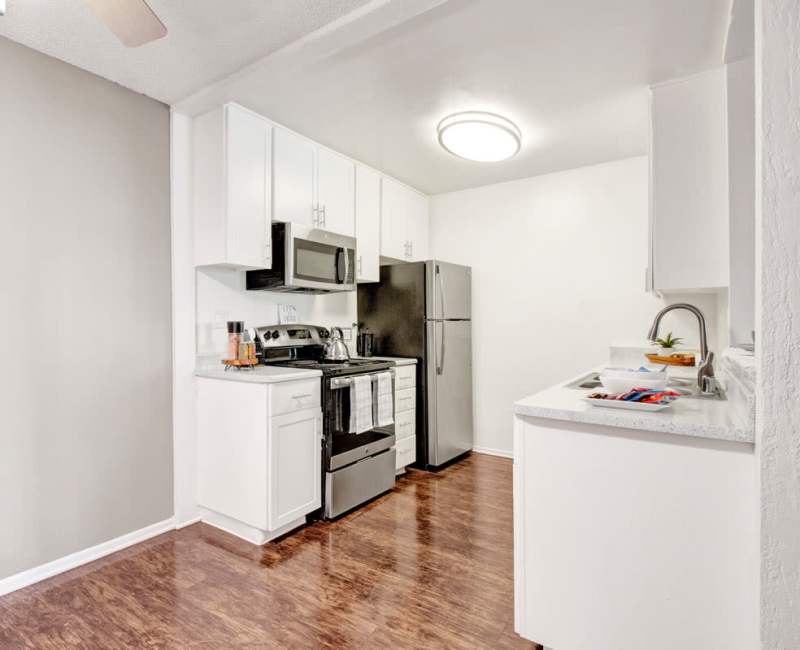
(373, 84)
(207, 40)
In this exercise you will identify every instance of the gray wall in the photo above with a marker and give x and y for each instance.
(85, 392)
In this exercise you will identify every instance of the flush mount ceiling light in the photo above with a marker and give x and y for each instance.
(479, 136)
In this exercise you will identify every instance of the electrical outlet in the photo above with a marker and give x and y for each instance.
(220, 320)
(347, 333)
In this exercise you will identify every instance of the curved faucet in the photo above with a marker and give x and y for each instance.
(705, 373)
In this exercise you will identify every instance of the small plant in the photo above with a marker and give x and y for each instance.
(668, 341)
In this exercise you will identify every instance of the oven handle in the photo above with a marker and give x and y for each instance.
(345, 382)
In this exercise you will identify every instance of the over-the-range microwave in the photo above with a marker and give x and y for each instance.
(307, 260)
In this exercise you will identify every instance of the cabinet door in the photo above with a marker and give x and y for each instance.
(336, 193)
(394, 227)
(417, 226)
(247, 170)
(689, 184)
(368, 215)
(295, 453)
(292, 178)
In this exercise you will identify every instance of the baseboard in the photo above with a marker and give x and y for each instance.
(188, 522)
(502, 453)
(74, 560)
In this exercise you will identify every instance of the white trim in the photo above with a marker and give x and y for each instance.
(489, 451)
(79, 558)
(188, 522)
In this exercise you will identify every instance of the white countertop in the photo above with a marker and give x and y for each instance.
(696, 417)
(259, 375)
(398, 361)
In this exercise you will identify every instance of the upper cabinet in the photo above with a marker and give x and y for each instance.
(293, 179)
(249, 172)
(312, 186)
(404, 222)
(689, 184)
(232, 185)
(368, 224)
(336, 180)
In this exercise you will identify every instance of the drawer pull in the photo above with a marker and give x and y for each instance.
(301, 396)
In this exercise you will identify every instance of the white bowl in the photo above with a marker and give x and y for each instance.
(616, 385)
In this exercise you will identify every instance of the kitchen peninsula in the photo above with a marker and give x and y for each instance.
(627, 524)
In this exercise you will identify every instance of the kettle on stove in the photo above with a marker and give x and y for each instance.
(335, 347)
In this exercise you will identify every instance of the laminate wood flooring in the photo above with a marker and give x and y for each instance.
(429, 565)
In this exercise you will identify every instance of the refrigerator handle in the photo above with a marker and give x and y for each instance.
(441, 291)
(440, 359)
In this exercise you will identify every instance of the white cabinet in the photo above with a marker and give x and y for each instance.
(259, 454)
(293, 179)
(405, 415)
(312, 186)
(232, 172)
(368, 224)
(335, 193)
(404, 222)
(295, 465)
(689, 184)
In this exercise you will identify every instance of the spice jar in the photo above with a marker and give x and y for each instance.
(235, 328)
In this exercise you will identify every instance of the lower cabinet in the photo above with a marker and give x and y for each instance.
(405, 415)
(295, 465)
(257, 469)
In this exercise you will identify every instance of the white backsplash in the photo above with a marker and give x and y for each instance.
(221, 296)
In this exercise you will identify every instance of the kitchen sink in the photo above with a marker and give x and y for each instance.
(686, 387)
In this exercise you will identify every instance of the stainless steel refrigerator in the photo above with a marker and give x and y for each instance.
(423, 310)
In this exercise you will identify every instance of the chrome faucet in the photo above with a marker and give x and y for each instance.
(705, 373)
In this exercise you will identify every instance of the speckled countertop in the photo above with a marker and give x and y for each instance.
(695, 417)
(259, 375)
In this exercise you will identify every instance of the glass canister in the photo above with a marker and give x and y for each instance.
(235, 329)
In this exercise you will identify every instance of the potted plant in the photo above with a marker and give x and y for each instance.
(669, 342)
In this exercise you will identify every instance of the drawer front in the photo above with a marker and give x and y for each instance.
(291, 396)
(405, 377)
(405, 400)
(351, 486)
(406, 452)
(405, 424)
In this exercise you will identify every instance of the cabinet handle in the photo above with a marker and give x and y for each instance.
(411, 249)
(359, 265)
(324, 217)
(315, 215)
(301, 396)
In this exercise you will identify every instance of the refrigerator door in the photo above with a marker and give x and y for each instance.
(448, 291)
(449, 375)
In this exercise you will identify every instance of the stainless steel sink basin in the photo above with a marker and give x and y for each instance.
(686, 387)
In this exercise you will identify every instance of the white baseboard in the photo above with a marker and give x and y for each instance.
(248, 533)
(502, 453)
(188, 522)
(74, 560)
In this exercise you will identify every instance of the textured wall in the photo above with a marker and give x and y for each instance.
(778, 309)
(86, 429)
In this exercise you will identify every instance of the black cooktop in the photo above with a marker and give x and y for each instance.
(337, 368)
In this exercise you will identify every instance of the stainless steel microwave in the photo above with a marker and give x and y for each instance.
(307, 260)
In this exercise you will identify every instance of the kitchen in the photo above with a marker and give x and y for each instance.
(375, 290)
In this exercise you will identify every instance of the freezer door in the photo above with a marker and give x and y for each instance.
(449, 370)
(448, 291)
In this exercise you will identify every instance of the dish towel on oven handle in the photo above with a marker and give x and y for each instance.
(361, 404)
(384, 400)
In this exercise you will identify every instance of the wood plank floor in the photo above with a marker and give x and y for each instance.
(429, 565)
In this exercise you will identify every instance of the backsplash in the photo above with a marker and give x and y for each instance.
(221, 296)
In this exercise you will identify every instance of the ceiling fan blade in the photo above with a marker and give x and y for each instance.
(132, 21)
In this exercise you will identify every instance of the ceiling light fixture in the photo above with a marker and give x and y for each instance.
(479, 136)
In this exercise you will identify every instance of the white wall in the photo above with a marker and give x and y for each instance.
(558, 274)
(221, 297)
(86, 435)
(741, 172)
(778, 316)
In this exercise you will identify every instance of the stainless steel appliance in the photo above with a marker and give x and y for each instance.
(423, 310)
(336, 348)
(355, 467)
(306, 260)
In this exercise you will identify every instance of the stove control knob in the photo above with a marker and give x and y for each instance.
(276, 334)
